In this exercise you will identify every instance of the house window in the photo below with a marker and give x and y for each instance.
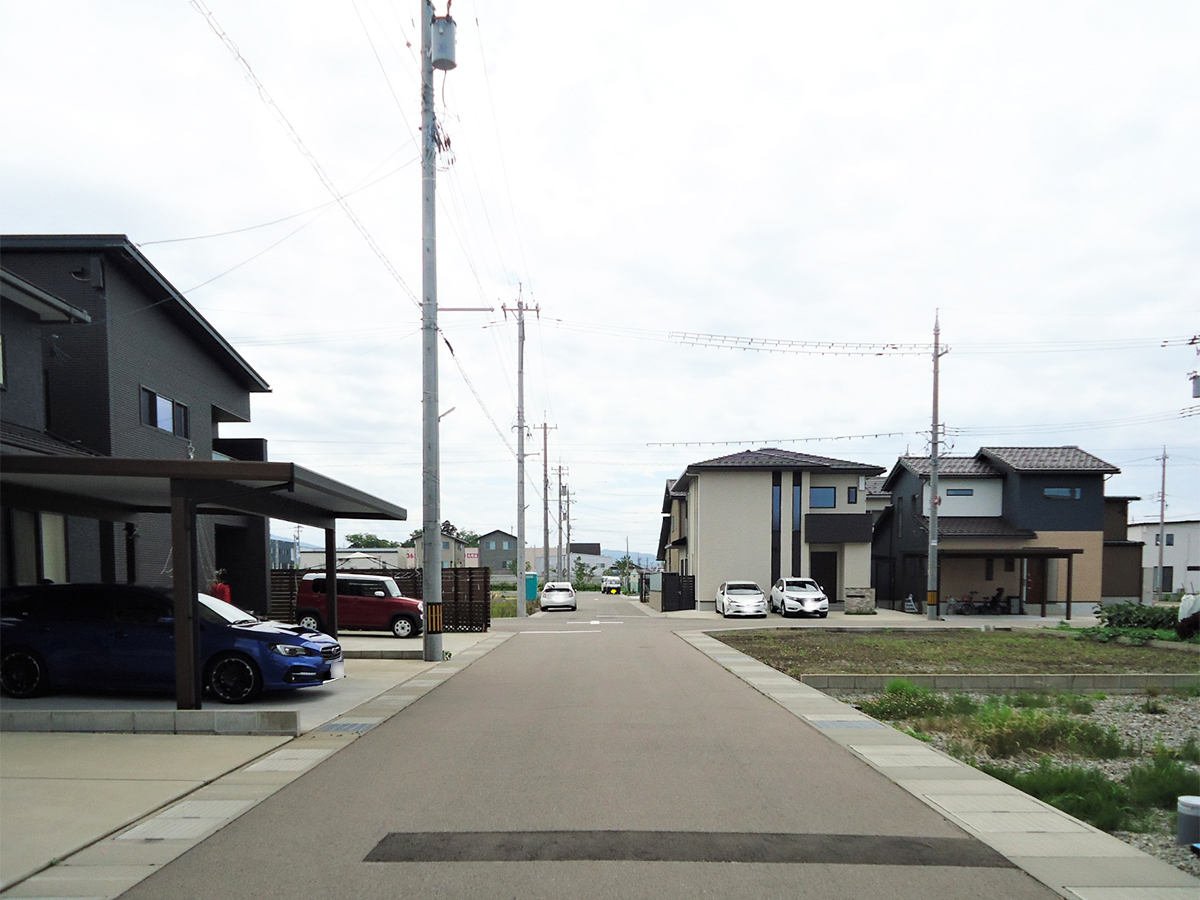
(1170, 539)
(989, 569)
(165, 414)
(822, 497)
(796, 507)
(491, 545)
(851, 495)
(1010, 565)
(445, 545)
(1062, 493)
(506, 545)
(776, 503)
(39, 547)
(960, 492)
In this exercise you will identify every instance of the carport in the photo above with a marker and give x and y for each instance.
(118, 490)
(1022, 555)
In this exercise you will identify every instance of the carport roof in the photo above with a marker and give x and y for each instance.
(118, 489)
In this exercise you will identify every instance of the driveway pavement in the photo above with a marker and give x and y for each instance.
(604, 753)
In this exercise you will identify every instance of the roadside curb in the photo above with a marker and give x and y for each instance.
(1072, 858)
(137, 849)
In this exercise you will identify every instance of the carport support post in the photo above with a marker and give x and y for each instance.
(188, 688)
(1070, 581)
(331, 626)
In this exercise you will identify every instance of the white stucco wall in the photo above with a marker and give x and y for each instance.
(987, 499)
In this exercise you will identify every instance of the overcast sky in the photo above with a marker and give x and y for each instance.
(797, 170)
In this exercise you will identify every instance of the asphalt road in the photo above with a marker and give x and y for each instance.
(593, 755)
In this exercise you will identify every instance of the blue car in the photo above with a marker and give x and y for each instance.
(122, 637)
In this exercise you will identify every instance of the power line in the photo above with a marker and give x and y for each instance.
(769, 441)
(1186, 413)
(275, 111)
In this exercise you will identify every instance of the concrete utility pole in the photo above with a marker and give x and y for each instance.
(431, 544)
(546, 429)
(521, 307)
(570, 574)
(1162, 529)
(931, 579)
(558, 560)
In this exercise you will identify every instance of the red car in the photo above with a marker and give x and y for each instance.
(363, 601)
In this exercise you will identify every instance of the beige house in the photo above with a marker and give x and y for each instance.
(760, 515)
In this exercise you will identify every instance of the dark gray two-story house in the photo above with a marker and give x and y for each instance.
(498, 552)
(104, 357)
(1025, 524)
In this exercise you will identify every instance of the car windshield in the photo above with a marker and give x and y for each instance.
(800, 584)
(743, 587)
(218, 612)
(389, 587)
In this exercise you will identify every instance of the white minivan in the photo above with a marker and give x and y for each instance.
(558, 594)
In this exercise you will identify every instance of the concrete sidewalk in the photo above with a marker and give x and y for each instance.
(63, 790)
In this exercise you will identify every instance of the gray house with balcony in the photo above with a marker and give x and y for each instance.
(104, 357)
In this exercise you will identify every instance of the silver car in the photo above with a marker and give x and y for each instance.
(741, 598)
(802, 596)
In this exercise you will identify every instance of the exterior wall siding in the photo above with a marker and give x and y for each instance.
(987, 498)
(734, 521)
(23, 401)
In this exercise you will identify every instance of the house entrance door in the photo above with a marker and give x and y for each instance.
(823, 568)
(1035, 583)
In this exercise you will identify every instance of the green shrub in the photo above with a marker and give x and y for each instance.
(902, 699)
(1135, 615)
(1161, 781)
(1190, 751)
(1004, 731)
(1083, 793)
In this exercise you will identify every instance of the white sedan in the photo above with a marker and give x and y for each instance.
(741, 598)
(799, 595)
(558, 594)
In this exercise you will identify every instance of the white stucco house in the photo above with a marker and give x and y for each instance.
(765, 514)
(1181, 556)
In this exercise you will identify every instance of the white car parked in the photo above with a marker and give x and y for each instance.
(741, 598)
(558, 594)
(799, 595)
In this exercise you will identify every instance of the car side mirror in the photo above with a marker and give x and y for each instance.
(380, 594)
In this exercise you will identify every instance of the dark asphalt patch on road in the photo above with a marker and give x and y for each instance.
(683, 846)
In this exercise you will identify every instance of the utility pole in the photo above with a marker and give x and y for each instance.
(570, 574)
(1162, 529)
(931, 575)
(558, 562)
(521, 307)
(546, 429)
(441, 57)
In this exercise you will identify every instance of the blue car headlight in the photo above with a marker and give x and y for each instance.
(291, 650)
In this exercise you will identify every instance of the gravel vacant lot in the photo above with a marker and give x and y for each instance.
(1171, 728)
(804, 651)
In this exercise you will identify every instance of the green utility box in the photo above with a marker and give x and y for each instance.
(531, 585)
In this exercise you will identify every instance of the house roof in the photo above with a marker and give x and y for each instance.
(977, 526)
(771, 458)
(1048, 459)
(21, 439)
(119, 250)
(952, 466)
(585, 549)
(498, 531)
(874, 486)
(669, 494)
(42, 304)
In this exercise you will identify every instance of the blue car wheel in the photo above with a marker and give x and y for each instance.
(234, 678)
(23, 674)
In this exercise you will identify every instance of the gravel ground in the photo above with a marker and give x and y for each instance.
(1126, 713)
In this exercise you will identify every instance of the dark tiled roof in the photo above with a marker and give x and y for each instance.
(875, 485)
(977, 526)
(21, 439)
(952, 466)
(772, 458)
(1048, 459)
(585, 549)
